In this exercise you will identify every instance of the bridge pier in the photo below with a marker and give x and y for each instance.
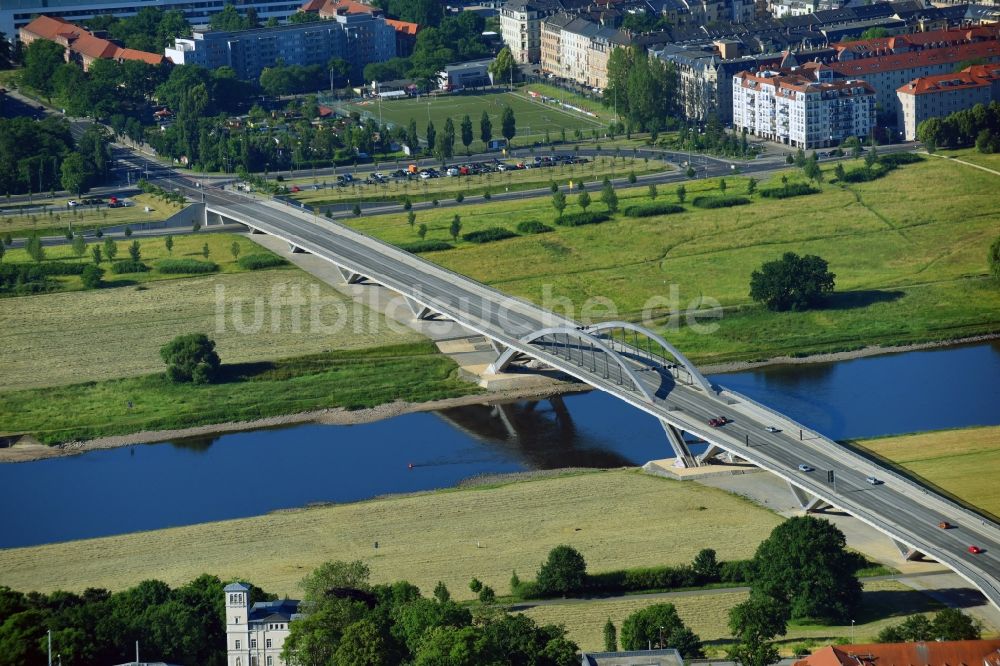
(909, 554)
(295, 249)
(675, 437)
(420, 311)
(714, 450)
(807, 501)
(350, 277)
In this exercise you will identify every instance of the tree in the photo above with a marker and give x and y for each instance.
(411, 217)
(407, 204)
(169, 243)
(840, 173)
(229, 19)
(792, 282)
(466, 132)
(234, 249)
(563, 572)
(431, 136)
(503, 65)
(476, 585)
(3, 251)
(610, 637)
(874, 33)
(134, 251)
(33, 246)
(681, 194)
(690, 172)
(508, 124)
(722, 185)
(41, 60)
(610, 197)
(205, 250)
(75, 174)
(445, 147)
(191, 358)
(706, 566)
(91, 276)
(487, 595)
(95, 252)
(812, 170)
(559, 203)
(441, 593)
(660, 625)
(754, 623)
(485, 129)
(456, 227)
(751, 186)
(653, 192)
(422, 231)
(994, 258)
(871, 157)
(79, 245)
(803, 565)
(583, 200)
(951, 624)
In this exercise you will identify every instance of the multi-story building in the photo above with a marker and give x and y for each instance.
(80, 45)
(943, 94)
(551, 42)
(256, 633)
(358, 38)
(14, 14)
(802, 107)
(521, 25)
(602, 44)
(577, 49)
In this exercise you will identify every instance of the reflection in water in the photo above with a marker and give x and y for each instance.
(539, 433)
(195, 444)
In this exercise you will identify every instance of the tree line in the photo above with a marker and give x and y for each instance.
(41, 156)
(979, 126)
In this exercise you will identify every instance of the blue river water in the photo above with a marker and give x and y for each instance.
(249, 473)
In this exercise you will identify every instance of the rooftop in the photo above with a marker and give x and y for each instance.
(977, 76)
(931, 653)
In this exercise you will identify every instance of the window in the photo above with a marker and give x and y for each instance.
(253, 642)
(268, 644)
(236, 619)
(239, 662)
(237, 644)
(270, 661)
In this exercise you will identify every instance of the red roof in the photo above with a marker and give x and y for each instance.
(921, 58)
(920, 39)
(312, 6)
(932, 653)
(977, 76)
(403, 26)
(83, 42)
(331, 8)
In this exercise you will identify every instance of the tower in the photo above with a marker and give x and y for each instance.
(237, 627)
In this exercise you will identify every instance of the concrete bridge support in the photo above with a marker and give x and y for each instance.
(807, 501)
(675, 437)
(350, 277)
(909, 554)
(420, 311)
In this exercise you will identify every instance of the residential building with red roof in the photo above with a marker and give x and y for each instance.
(406, 32)
(80, 45)
(406, 36)
(919, 653)
(802, 107)
(944, 94)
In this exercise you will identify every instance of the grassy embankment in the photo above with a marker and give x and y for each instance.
(910, 260)
(617, 519)
(17, 220)
(72, 361)
(450, 187)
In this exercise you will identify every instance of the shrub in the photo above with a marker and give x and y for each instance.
(580, 219)
(181, 266)
(789, 191)
(191, 358)
(59, 268)
(91, 276)
(719, 201)
(893, 160)
(255, 262)
(121, 267)
(488, 235)
(650, 209)
(533, 227)
(426, 246)
(564, 571)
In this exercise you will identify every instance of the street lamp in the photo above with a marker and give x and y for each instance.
(852, 631)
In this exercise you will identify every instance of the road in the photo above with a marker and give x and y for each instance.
(897, 507)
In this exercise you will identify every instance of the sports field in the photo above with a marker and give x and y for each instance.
(533, 118)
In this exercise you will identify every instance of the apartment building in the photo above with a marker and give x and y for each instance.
(256, 633)
(577, 49)
(944, 94)
(81, 46)
(521, 27)
(358, 38)
(802, 107)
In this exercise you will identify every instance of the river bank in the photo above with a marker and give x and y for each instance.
(27, 449)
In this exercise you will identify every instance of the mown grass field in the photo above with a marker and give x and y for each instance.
(351, 379)
(988, 160)
(910, 260)
(18, 222)
(884, 603)
(449, 187)
(953, 460)
(617, 519)
(604, 113)
(532, 118)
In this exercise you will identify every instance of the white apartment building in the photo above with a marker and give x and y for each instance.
(255, 634)
(794, 108)
(944, 94)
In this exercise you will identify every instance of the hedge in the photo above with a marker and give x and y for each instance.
(426, 246)
(488, 235)
(580, 219)
(533, 227)
(120, 267)
(255, 262)
(47, 268)
(719, 201)
(893, 160)
(788, 191)
(651, 209)
(186, 266)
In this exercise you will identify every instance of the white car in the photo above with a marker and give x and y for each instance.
(425, 174)
(805, 468)
(72, 203)
(874, 481)
(772, 429)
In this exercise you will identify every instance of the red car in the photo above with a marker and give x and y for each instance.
(975, 550)
(295, 188)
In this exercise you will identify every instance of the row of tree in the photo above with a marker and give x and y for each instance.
(641, 89)
(40, 156)
(979, 125)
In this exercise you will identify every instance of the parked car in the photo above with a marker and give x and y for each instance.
(295, 188)
(805, 468)
(117, 204)
(72, 203)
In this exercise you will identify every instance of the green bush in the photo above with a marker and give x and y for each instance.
(719, 201)
(183, 266)
(580, 219)
(488, 235)
(121, 267)
(91, 276)
(788, 191)
(533, 227)
(893, 160)
(256, 262)
(426, 246)
(59, 268)
(651, 209)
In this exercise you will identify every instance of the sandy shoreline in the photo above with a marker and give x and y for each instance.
(27, 450)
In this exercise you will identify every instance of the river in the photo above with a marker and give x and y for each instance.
(249, 473)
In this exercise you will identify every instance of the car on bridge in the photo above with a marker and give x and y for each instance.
(945, 525)
(716, 423)
(772, 429)
(975, 550)
(874, 481)
(805, 468)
